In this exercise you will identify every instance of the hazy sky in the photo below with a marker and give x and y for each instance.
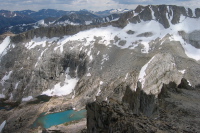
(95, 5)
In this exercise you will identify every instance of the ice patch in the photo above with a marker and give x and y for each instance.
(4, 44)
(27, 98)
(2, 126)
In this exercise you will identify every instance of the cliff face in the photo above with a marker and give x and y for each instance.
(139, 112)
(166, 15)
(82, 64)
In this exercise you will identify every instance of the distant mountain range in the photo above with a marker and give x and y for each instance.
(21, 21)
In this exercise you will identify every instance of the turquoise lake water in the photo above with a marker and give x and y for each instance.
(53, 119)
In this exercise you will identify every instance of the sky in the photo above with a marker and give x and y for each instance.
(94, 5)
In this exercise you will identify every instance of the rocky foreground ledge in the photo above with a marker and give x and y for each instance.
(176, 109)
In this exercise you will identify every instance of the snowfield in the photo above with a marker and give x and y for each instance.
(63, 89)
(4, 45)
(131, 41)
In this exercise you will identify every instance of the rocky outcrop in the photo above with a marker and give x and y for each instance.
(50, 32)
(159, 71)
(192, 38)
(164, 14)
(140, 112)
(109, 18)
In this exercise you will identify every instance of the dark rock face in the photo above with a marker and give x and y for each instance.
(123, 20)
(139, 112)
(78, 63)
(139, 102)
(197, 12)
(146, 34)
(160, 15)
(184, 84)
(49, 32)
(130, 32)
(192, 38)
(139, 9)
(114, 116)
(163, 14)
(106, 19)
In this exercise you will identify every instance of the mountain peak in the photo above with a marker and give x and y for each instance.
(165, 14)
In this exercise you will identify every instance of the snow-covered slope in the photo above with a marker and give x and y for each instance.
(92, 53)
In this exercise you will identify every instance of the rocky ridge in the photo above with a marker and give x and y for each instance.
(99, 60)
(139, 112)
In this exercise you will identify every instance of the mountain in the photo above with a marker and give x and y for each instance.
(8, 18)
(109, 12)
(76, 18)
(139, 73)
(20, 21)
(46, 13)
(28, 20)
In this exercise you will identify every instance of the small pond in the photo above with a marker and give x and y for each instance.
(46, 121)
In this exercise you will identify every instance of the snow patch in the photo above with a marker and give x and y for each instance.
(65, 89)
(189, 83)
(42, 23)
(88, 75)
(88, 22)
(11, 97)
(27, 98)
(142, 73)
(105, 58)
(4, 44)
(37, 41)
(99, 90)
(2, 96)
(2, 126)
(126, 76)
(109, 33)
(182, 71)
(101, 82)
(6, 77)
(40, 57)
